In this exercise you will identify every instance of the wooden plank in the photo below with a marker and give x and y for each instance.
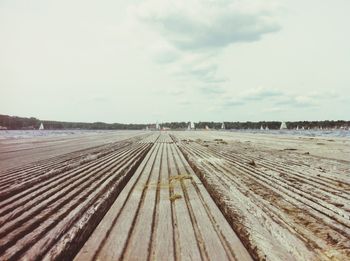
(162, 215)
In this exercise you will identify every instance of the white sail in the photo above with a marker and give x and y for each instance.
(266, 128)
(223, 126)
(283, 126)
(261, 127)
(157, 126)
(192, 125)
(41, 126)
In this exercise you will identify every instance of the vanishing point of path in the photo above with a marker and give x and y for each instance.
(134, 199)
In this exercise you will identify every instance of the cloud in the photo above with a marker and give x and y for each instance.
(199, 67)
(305, 100)
(198, 25)
(274, 109)
(192, 33)
(261, 93)
(277, 99)
(211, 90)
(298, 101)
(233, 103)
(202, 72)
(163, 53)
(255, 95)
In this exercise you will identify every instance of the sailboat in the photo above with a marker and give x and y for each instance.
(41, 126)
(261, 127)
(266, 128)
(192, 125)
(223, 126)
(297, 127)
(283, 126)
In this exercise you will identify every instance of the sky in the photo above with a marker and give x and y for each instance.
(159, 60)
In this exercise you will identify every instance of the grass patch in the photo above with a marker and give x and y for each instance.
(175, 197)
(180, 177)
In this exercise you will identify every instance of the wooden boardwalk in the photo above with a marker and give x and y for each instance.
(133, 199)
(48, 209)
(179, 196)
(282, 204)
(164, 213)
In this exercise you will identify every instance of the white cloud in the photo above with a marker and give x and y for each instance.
(196, 25)
(279, 99)
(261, 93)
(187, 35)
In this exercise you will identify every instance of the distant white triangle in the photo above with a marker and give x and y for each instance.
(283, 126)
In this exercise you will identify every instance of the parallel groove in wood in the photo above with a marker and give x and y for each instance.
(164, 212)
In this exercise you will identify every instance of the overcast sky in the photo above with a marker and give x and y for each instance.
(159, 60)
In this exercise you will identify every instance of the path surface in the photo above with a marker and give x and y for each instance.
(175, 196)
(17, 152)
(285, 203)
(164, 213)
(323, 147)
(49, 208)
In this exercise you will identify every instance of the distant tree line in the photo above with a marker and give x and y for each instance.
(175, 125)
(274, 125)
(92, 126)
(18, 123)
